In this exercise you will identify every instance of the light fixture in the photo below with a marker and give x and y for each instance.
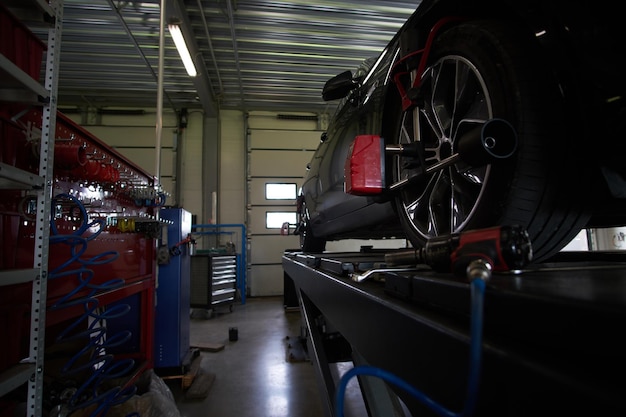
(179, 40)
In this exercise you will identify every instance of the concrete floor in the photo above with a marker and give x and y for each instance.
(253, 376)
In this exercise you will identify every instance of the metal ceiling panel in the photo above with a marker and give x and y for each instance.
(279, 54)
(250, 54)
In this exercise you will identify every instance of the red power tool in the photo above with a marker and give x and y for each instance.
(505, 248)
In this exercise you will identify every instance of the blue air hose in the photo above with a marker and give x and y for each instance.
(476, 330)
(103, 365)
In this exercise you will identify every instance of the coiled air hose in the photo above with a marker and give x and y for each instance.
(94, 354)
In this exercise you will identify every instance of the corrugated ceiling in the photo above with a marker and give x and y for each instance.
(251, 54)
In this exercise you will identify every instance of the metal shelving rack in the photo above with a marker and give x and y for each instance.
(18, 86)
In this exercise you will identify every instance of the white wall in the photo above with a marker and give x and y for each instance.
(188, 164)
(135, 137)
(232, 170)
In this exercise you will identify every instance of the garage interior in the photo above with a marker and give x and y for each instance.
(193, 159)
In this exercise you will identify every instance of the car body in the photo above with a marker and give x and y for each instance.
(551, 71)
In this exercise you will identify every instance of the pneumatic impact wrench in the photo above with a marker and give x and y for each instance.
(505, 248)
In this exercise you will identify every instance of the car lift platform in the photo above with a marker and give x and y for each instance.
(553, 342)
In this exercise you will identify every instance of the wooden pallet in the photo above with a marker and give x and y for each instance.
(187, 378)
(201, 386)
(208, 346)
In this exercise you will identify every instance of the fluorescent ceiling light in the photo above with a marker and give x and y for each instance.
(179, 40)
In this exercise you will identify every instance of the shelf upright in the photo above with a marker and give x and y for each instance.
(18, 86)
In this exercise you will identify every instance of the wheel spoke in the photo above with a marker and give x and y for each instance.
(418, 208)
(457, 213)
(465, 191)
(456, 101)
(405, 135)
(438, 205)
(441, 100)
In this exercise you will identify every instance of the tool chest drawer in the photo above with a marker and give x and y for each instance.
(213, 280)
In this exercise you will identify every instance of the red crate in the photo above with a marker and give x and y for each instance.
(11, 139)
(7, 45)
(20, 45)
(16, 324)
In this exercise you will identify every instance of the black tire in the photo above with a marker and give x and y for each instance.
(480, 71)
(308, 242)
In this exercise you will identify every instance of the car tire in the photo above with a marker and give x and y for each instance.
(478, 71)
(308, 242)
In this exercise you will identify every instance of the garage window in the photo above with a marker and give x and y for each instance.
(280, 191)
(275, 219)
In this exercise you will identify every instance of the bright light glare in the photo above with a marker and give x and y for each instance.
(179, 40)
(276, 191)
(275, 219)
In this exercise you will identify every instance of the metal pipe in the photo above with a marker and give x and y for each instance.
(159, 117)
(136, 44)
(451, 160)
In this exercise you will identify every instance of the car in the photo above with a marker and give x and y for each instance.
(546, 76)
